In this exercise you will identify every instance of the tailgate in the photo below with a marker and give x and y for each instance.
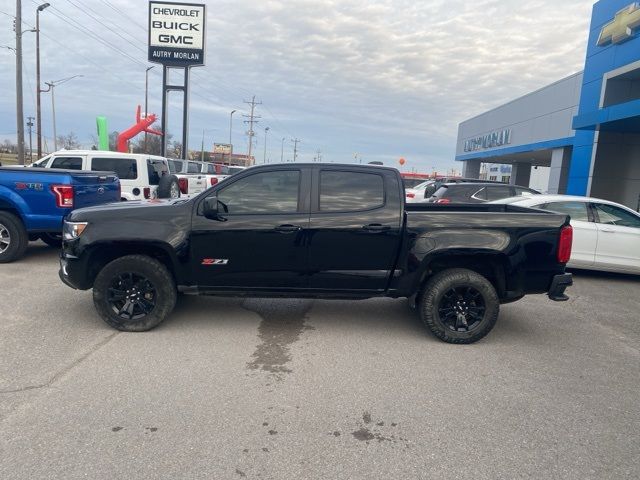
(95, 188)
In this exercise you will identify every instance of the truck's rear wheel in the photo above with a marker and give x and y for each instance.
(134, 293)
(13, 238)
(459, 305)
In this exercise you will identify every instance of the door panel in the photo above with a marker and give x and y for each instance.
(259, 242)
(354, 233)
(618, 238)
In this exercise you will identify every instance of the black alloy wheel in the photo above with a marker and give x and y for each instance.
(459, 305)
(461, 309)
(131, 296)
(134, 293)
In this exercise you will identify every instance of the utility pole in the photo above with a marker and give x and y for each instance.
(19, 112)
(295, 141)
(282, 151)
(319, 155)
(51, 86)
(38, 89)
(253, 119)
(30, 125)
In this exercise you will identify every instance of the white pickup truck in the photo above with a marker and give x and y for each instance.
(190, 177)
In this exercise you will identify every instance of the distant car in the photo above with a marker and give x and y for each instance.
(189, 174)
(478, 192)
(422, 192)
(606, 235)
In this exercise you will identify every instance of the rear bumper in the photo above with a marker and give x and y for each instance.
(558, 286)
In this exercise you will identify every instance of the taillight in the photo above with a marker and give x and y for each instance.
(64, 195)
(147, 192)
(183, 183)
(411, 195)
(443, 200)
(565, 243)
(214, 180)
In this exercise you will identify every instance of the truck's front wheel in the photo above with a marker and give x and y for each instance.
(459, 305)
(134, 293)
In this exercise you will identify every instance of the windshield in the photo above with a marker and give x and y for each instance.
(230, 170)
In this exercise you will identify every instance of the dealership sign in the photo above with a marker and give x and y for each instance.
(623, 26)
(222, 148)
(491, 140)
(176, 33)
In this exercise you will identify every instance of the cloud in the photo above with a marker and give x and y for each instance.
(380, 78)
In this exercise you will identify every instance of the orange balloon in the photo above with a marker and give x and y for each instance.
(402, 161)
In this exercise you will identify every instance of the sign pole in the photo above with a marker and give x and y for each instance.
(185, 114)
(163, 149)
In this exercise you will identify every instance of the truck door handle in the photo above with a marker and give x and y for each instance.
(376, 227)
(287, 228)
(608, 230)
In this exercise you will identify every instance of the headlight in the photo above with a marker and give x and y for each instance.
(73, 230)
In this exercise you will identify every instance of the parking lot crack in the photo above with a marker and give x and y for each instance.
(66, 369)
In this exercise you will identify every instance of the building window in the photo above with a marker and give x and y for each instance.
(493, 178)
(505, 178)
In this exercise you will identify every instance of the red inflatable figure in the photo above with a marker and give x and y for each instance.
(142, 125)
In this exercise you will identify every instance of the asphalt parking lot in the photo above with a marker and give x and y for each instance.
(274, 389)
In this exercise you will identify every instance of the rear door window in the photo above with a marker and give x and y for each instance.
(577, 210)
(193, 167)
(70, 163)
(175, 166)
(211, 169)
(350, 191)
(125, 168)
(497, 192)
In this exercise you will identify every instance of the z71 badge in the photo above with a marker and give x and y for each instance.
(215, 261)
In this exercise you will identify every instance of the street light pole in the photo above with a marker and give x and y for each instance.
(51, 86)
(38, 89)
(30, 125)
(282, 151)
(230, 139)
(264, 156)
(146, 101)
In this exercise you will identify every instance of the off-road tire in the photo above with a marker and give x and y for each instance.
(168, 187)
(52, 239)
(140, 265)
(441, 283)
(17, 237)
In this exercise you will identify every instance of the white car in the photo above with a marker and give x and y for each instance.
(190, 177)
(421, 192)
(606, 235)
(141, 176)
(208, 169)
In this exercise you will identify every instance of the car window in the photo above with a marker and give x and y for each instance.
(497, 192)
(156, 168)
(193, 167)
(350, 191)
(612, 215)
(577, 210)
(523, 192)
(70, 163)
(125, 168)
(267, 192)
(42, 162)
(211, 169)
(175, 166)
(481, 194)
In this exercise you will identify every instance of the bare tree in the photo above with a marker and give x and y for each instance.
(69, 141)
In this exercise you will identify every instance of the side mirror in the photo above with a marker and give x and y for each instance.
(210, 207)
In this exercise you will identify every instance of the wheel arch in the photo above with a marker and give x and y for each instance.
(103, 253)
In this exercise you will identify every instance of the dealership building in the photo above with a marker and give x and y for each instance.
(583, 130)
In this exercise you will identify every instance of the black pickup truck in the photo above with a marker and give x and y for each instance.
(319, 231)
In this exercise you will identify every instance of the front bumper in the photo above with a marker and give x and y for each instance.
(558, 286)
(73, 272)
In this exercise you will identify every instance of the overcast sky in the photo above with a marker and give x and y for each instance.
(382, 79)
